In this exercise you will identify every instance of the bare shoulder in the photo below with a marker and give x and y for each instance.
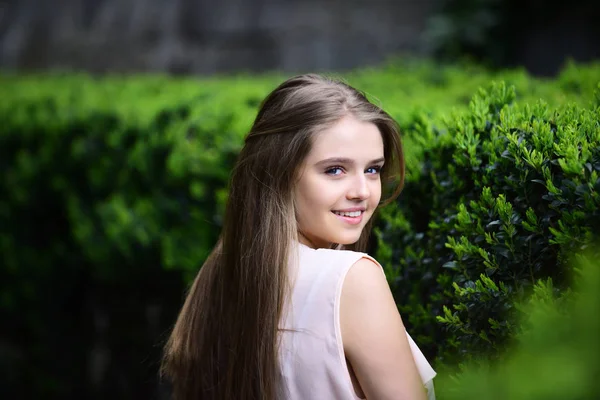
(374, 338)
(363, 275)
(366, 297)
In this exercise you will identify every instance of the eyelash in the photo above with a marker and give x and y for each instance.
(377, 169)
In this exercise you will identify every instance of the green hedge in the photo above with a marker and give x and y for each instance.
(504, 192)
(119, 180)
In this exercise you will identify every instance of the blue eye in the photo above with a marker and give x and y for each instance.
(334, 171)
(375, 169)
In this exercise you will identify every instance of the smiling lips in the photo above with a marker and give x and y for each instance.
(352, 216)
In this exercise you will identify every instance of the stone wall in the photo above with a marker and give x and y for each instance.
(207, 36)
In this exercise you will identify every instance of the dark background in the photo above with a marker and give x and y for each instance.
(208, 37)
(80, 337)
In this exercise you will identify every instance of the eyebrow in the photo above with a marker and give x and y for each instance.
(343, 160)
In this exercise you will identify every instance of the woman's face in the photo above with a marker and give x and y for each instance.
(339, 185)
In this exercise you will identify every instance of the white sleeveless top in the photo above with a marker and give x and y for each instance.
(313, 364)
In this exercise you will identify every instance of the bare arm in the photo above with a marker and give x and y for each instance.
(374, 337)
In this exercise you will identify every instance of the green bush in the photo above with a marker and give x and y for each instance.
(108, 189)
(122, 183)
(503, 192)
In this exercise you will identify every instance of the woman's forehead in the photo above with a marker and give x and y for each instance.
(348, 138)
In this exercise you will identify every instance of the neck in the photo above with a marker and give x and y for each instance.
(305, 240)
(302, 238)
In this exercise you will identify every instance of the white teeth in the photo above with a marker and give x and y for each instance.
(349, 214)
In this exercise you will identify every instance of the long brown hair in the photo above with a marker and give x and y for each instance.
(224, 345)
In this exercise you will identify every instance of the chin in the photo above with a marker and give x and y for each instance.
(345, 241)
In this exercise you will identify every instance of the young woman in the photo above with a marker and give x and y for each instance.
(288, 306)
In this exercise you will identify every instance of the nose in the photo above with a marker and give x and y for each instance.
(359, 189)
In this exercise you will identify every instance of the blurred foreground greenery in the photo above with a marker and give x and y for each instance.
(555, 356)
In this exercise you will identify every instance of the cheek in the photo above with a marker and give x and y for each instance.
(312, 195)
(375, 193)
(313, 192)
(305, 201)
